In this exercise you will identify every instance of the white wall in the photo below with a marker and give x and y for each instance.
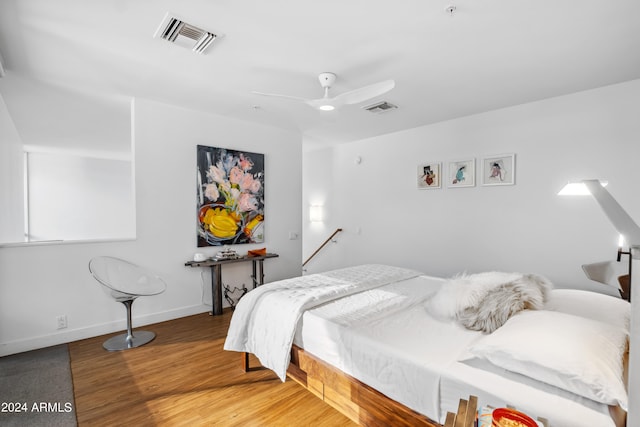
(40, 282)
(74, 197)
(525, 227)
(11, 179)
(317, 167)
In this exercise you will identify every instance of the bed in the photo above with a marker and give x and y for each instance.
(365, 339)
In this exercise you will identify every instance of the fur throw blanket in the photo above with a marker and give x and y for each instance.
(485, 301)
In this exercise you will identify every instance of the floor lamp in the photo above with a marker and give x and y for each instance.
(620, 219)
(625, 225)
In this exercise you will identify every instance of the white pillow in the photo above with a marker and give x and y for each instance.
(592, 305)
(580, 355)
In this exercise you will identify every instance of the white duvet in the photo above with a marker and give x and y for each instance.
(265, 319)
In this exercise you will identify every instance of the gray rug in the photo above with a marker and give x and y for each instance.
(36, 389)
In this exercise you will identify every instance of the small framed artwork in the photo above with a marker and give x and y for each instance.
(429, 176)
(462, 173)
(499, 170)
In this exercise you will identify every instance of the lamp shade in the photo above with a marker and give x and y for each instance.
(577, 189)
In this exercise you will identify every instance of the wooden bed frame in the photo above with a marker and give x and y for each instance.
(356, 400)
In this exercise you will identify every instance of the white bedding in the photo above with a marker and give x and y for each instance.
(282, 303)
(366, 336)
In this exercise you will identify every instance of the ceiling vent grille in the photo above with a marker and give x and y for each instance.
(175, 30)
(380, 107)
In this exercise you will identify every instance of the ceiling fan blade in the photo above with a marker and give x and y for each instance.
(358, 95)
(277, 95)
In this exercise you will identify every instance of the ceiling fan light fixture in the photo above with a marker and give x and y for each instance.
(330, 103)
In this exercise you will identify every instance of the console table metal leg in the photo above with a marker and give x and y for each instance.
(216, 292)
(261, 268)
(258, 272)
(254, 278)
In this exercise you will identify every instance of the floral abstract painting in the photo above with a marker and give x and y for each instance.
(230, 196)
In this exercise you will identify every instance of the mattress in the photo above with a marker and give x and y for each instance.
(385, 338)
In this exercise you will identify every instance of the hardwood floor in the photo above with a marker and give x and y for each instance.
(185, 378)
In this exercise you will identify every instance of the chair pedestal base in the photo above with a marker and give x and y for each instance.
(125, 341)
(128, 340)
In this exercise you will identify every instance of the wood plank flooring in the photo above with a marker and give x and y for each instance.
(185, 378)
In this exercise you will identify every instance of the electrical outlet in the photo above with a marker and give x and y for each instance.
(62, 321)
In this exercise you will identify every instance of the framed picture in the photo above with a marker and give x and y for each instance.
(229, 197)
(462, 173)
(499, 170)
(429, 176)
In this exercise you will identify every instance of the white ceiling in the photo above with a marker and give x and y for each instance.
(490, 54)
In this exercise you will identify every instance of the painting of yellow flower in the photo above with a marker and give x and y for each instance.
(230, 196)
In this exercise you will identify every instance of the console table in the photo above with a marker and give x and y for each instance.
(216, 275)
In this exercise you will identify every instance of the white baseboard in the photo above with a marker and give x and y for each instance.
(71, 335)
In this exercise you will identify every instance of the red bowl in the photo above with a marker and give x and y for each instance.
(500, 415)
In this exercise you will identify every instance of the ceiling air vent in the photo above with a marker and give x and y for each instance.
(380, 107)
(177, 31)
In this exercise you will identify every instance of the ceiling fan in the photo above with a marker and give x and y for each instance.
(327, 103)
